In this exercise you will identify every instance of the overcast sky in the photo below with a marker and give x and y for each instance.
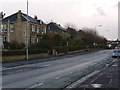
(82, 13)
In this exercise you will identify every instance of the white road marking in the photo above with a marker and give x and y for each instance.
(58, 77)
(82, 79)
(114, 65)
(36, 85)
(46, 65)
(96, 85)
(96, 78)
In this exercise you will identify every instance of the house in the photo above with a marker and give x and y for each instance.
(72, 32)
(54, 28)
(13, 28)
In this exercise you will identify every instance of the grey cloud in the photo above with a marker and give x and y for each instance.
(100, 11)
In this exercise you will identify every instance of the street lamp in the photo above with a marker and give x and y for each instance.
(27, 34)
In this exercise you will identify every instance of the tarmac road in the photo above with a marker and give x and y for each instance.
(41, 74)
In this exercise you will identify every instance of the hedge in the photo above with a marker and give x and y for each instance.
(23, 52)
(60, 49)
(65, 49)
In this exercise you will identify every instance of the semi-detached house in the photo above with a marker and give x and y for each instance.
(13, 28)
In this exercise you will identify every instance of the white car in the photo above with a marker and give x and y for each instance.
(116, 53)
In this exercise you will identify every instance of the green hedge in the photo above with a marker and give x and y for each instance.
(75, 48)
(23, 52)
(13, 53)
(37, 51)
(60, 49)
(65, 49)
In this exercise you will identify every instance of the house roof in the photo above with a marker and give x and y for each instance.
(13, 17)
(54, 26)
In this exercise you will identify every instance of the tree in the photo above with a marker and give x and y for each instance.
(57, 40)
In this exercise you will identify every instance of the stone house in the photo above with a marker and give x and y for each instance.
(13, 28)
(54, 28)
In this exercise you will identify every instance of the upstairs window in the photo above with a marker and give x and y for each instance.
(1, 28)
(5, 28)
(45, 30)
(37, 29)
(33, 28)
(11, 27)
(42, 30)
(37, 40)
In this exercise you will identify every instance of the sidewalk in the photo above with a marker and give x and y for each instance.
(44, 59)
(107, 78)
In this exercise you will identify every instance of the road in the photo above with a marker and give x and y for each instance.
(48, 74)
(107, 78)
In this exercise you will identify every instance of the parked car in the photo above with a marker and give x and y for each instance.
(116, 53)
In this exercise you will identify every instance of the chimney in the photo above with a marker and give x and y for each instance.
(2, 15)
(35, 17)
(19, 14)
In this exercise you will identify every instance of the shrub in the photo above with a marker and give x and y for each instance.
(37, 51)
(13, 45)
(13, 53)
(23, 52)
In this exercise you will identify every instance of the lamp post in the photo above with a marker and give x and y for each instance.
(27, 34)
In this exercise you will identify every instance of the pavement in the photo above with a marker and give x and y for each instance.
(107, 79)
(45, 59)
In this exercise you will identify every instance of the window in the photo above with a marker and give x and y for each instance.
(5, 28)
(11, 27)
(33, 40)
(42, 30)
(45, 29)
(49, 28)
(33, 28)
(37, 40)
(37, 29)
(4, 39)
(1, 30)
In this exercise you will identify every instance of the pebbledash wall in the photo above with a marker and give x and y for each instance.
(13, 28)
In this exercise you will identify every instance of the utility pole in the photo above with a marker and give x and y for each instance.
(27, 34)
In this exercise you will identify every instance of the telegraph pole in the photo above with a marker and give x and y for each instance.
(27, 34)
